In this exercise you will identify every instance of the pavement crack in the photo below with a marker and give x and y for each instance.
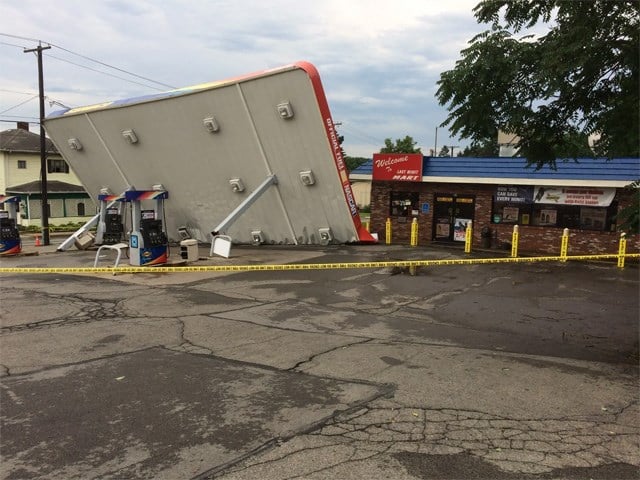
(339, 347)
(187, 346)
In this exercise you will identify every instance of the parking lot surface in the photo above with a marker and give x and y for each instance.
(510, 371)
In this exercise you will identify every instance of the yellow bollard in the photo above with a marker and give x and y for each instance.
(564, 247)
(388, 232)
(514, 242)
(414, 232)
(622, 249)
(468, 237)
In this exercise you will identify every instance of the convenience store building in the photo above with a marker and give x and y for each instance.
(445, 193)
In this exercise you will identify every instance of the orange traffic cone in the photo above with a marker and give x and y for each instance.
(38, 244)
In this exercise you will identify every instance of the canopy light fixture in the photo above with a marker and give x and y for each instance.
(285, 110)
(325, 236)
(236, 185)
(211, 124)
(130, 136)
(307, 178)
(257, 237)
(74, 144)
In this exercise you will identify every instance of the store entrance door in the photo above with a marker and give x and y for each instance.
(451, 214)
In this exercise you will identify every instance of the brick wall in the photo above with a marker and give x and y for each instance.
(532, 239)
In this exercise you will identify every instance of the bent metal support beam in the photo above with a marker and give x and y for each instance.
(244, 206)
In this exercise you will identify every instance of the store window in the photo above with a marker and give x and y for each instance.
(404, 204)
(556, 207)
(57, 165)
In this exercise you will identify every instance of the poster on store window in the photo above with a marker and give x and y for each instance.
(460, 229)
(510, 214)
(593, 218)
(443, 229)
(587, 196)
(548, 217)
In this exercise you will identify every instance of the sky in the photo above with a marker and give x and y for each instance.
(379, 61)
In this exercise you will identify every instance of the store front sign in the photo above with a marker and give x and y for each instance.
(514, 194)
(403, 167)
(587, 196)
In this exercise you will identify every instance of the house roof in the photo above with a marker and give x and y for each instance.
(19, 140)
(53, 186)
(615, 172)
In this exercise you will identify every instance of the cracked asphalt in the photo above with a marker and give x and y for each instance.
(522, 371)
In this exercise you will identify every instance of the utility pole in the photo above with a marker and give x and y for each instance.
(435, 146)
(452, 147)
(43, 148)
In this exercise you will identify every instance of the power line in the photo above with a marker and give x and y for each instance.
(14, 118)
(19, 104)
(20, 38)
(368, 139)
(16, 91)
(91, 60)
(111, 66)
(103, 73)
(12, 45)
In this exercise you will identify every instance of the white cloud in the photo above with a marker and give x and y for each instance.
(379, 60)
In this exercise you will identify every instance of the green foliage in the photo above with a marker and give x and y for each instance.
(354, 162)
(485, 148)
(629, 217)
(404, 145)
(444, 152)
(580, 78)
(64, 227)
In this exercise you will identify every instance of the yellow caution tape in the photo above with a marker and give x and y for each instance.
(310, 266)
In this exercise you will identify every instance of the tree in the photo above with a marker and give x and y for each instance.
(444, 152)
(405, 145)
(579, 79)
(485, 148)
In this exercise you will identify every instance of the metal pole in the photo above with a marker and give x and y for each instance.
(514, 241)
(622, 249)
(468, 237)
(414, 232)
(43, 149)
(564, 246)
(246, 203)
(435, 146)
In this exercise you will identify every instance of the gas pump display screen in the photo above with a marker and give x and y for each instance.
(4, 214)
(148, 215)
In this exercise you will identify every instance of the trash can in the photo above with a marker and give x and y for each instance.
(485, 235)
(189, 250)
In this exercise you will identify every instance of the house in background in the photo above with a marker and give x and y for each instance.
(68, 201)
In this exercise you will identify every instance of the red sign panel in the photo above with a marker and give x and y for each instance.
(403, 167)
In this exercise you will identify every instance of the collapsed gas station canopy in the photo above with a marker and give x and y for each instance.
(257, 153)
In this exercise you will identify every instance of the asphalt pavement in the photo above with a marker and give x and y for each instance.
(506, 371)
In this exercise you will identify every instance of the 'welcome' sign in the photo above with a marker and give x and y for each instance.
(403, 167)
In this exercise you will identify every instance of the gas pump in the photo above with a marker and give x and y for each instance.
(148, 243)
(10, 243)
(110, 228)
